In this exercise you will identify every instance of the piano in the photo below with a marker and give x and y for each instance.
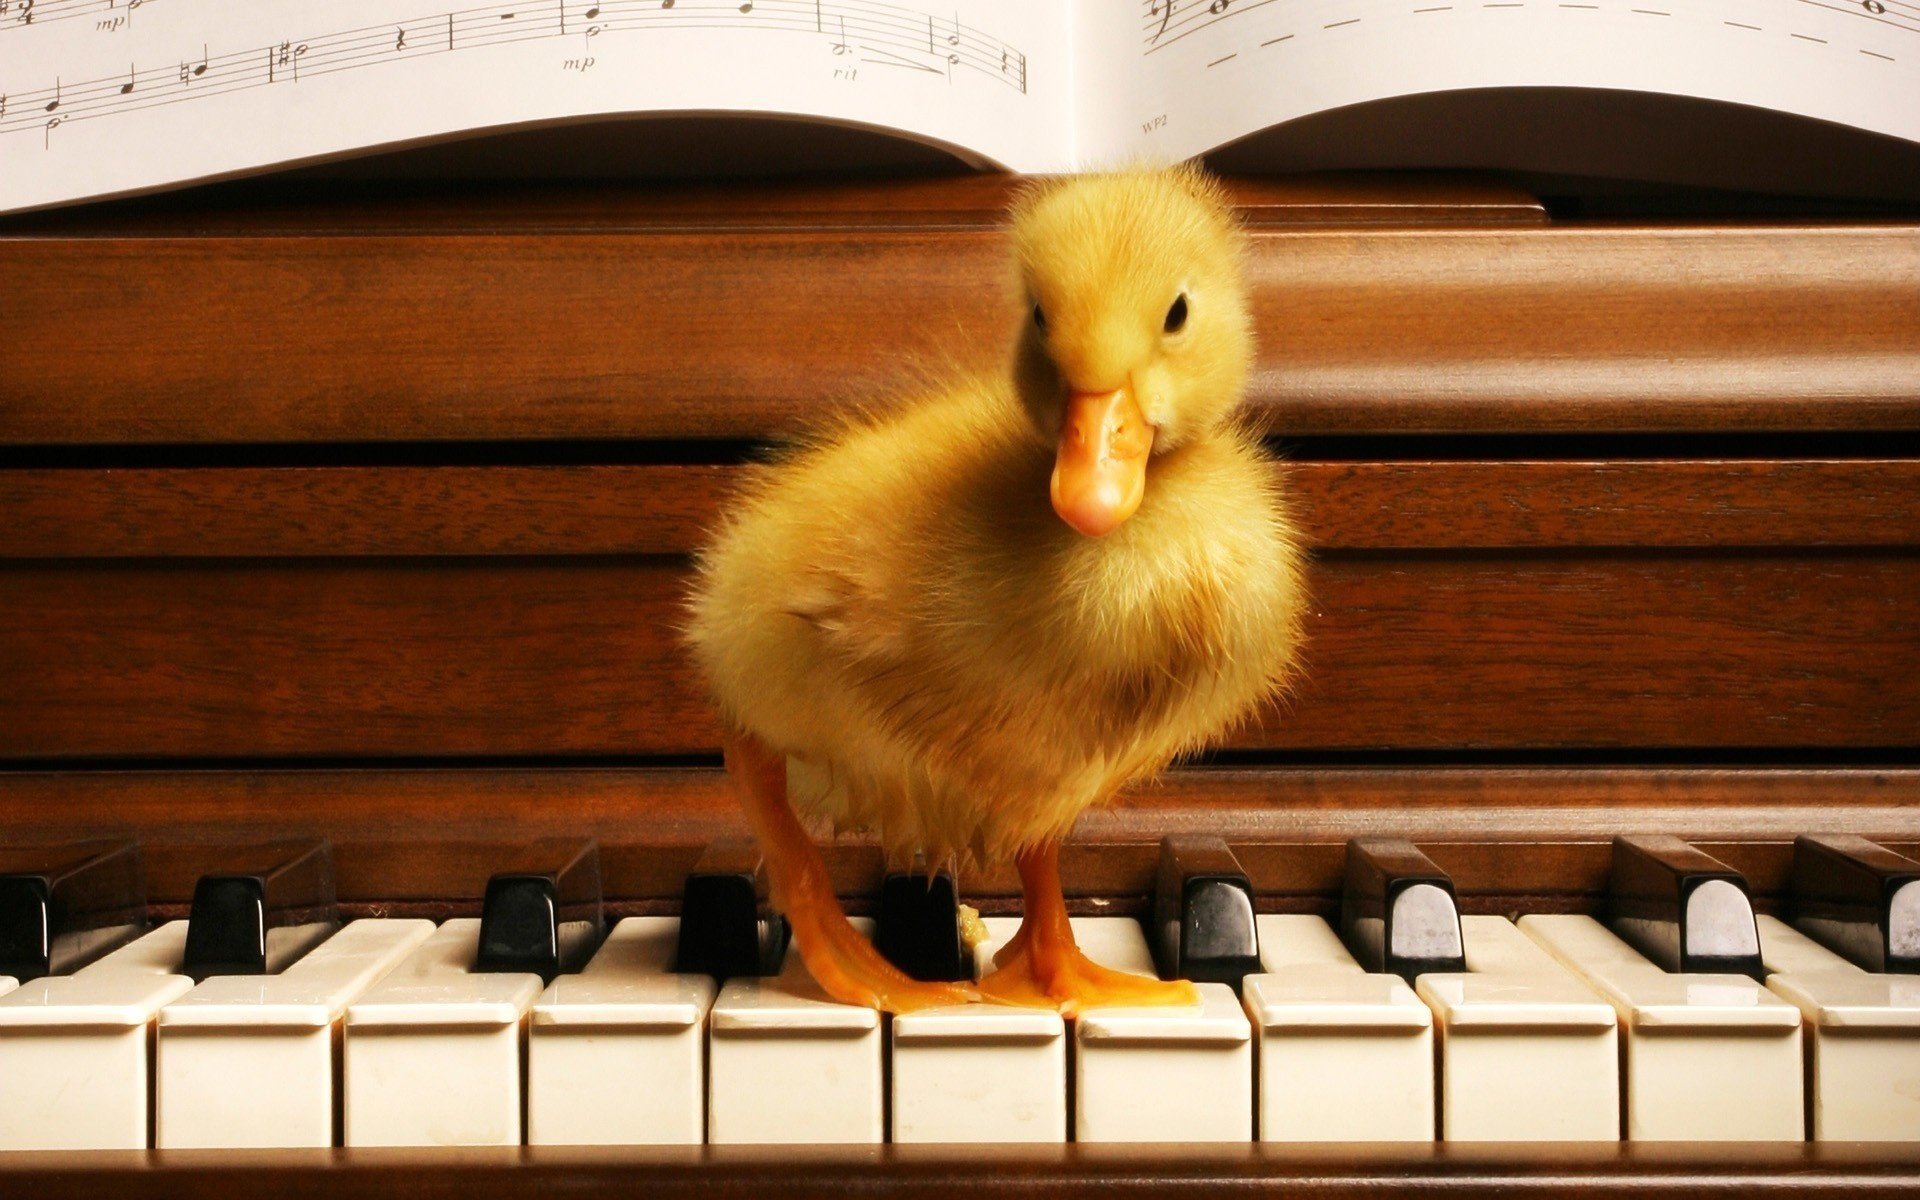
(342, 540)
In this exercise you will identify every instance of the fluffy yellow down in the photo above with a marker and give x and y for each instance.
(898, 608)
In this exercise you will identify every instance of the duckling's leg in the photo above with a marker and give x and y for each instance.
(841, 961)
(1043, 968)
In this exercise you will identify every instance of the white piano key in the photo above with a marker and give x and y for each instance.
(1527, 1051)
(786, 1063)
(1128, 1061)
(248, 1060)
(433, 1050)
(980, 1072)
(1708, 1057)
(617, 1054)
(78, 1048)
(1863, 1038)
(1344, 1055)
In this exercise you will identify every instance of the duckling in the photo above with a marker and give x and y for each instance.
(964, 621)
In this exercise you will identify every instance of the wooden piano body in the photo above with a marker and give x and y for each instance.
(370, 521)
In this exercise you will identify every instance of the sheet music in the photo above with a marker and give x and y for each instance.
(105, 96)
(1172, 78)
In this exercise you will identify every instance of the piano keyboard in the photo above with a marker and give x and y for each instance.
(508, 1030)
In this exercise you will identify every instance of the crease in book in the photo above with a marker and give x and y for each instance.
(364, 830)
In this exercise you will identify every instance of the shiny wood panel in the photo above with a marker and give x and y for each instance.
(355, 511)
(1611, 1171)
(740, 324)
(1511, 836)
(582, 656)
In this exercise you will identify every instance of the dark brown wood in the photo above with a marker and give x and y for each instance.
(1627, 1171)
(1438, 505)
(1509, 837)
(450, 511)
(759, 326)
(581, 656)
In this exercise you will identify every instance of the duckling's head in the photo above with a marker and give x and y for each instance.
(1137, 335)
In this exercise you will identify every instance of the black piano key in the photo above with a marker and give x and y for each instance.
(1684, 909)
(543, 914)
(259, 909)
(726, 928)
(1203, 927)
(1398, 912)
(1860, 900)
(918, 927)
(63, 906)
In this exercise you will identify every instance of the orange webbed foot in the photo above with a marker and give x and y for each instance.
(1042, 967)
(1065, 979)
(844, 964)
(848, 968)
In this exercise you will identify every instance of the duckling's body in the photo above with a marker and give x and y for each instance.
(900, 611)
(963, 622)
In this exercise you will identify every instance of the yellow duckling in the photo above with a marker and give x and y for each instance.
(966, 621)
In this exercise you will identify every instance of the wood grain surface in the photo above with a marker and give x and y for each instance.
(579, 332)
(1515, 838)
(369, 657)
(448, 511)
(1622, 1171)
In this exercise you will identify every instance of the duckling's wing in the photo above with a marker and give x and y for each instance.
(849, 615)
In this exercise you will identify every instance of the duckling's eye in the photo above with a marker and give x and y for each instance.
(1039, 319)
(1177, 315)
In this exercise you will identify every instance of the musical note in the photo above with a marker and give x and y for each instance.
(1218, 7)
(288, 55)
(873, 31)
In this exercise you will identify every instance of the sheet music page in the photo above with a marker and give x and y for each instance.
(100, 97)
(1168, 79)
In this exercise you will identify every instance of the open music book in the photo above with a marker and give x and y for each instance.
(108, 97)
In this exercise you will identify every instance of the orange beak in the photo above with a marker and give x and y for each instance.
(1100, 470)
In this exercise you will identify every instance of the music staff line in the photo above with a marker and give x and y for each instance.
(1441, 8)
(1162, 27)
(913, 38)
